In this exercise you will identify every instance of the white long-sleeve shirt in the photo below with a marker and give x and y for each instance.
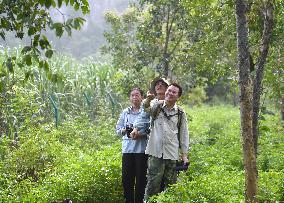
(163, 141)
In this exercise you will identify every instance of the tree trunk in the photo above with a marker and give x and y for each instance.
(166, 56)
(263, 52)
(282, 108)
(246, 108)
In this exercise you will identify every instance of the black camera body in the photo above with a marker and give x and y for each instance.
(180, 166)
(128, 129)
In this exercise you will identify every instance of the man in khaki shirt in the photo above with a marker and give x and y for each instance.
(165, 146)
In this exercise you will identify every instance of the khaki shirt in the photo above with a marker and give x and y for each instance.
(163, 141)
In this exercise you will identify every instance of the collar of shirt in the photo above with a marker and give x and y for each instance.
(130, 110)
(173, 108)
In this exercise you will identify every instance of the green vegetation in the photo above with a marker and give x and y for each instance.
(216, 172)
(57, 115)
(81, 160)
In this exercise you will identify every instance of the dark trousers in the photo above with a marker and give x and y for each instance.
(134, 169)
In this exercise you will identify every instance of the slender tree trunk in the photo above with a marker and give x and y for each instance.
(267, 12)
(282, 108)
(246, 108)
(166, 56)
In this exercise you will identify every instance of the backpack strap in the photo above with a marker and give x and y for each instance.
(128, 112)
(180, 113)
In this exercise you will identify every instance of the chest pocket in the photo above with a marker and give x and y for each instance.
(172, 120)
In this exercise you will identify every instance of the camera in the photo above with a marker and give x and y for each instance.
(128, 129)
(180, 166)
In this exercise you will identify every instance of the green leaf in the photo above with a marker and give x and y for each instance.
(68, 30)
(20, 65)
(47, 3)
(58, 28)
(66, 2)
(59, 31)
(69, 21)
(41, 64)
(4, 23)
(78, 22)
(28, 59)
(36, 55)
(27, 76)
(49, 75)
(85, 9)
(49, 53)
(77, 6)
(85, 6)
(20, 35)
(41, 2)
(26, 49)
(3, 73)
(1, 86)
(2, 34)
(53, 3)
(36, 40)
(44, 43)
(59, 3)
(31, 31)
(46, 66)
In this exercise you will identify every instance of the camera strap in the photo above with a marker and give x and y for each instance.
(179, 114)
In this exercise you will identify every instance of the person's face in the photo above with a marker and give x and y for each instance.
(160, 87)
(135, 97)
(172, 94)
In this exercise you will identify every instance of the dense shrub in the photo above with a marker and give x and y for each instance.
(74, 161)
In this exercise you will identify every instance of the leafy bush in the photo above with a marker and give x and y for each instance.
(74, 161)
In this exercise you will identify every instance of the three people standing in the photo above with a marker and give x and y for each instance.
(168, 139)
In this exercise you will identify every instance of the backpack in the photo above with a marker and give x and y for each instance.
(179, 114)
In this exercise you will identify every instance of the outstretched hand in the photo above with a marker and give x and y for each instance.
(150, 96)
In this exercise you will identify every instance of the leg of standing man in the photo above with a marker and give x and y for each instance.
(155, 174)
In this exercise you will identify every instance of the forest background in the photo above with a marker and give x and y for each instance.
(60, 102)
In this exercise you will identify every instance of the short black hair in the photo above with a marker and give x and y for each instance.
(179, 88)
(138, 89)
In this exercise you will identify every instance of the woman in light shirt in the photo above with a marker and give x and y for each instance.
(134, 159)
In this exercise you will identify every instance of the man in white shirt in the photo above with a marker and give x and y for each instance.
(168, 140)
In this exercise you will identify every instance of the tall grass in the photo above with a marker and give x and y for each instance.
(66, 85)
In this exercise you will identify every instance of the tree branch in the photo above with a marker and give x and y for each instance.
(268, 21)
